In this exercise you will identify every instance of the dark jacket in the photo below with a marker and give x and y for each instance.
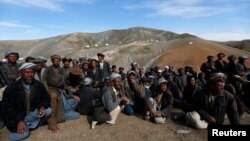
(87, 96)
(14, 102)
(9, 72)
(181, 81)
(166, 103)
(98, 75)
(208, 67)
(219, 66)
(190, 93)
(224, 104)
(241, 67)
(106, 69)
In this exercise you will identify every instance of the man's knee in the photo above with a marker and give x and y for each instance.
(17, 137)
(128, 110)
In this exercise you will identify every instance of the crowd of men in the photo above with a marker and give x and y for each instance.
(34, 93)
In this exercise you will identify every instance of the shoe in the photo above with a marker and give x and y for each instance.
(93, 124)
(110, 122)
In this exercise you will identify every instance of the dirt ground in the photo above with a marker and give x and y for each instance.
(127, 128)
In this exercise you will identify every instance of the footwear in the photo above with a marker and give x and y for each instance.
(110, 122)
(93, 124)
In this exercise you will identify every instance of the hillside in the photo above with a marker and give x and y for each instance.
(244, 44)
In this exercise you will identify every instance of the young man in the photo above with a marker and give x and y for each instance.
(25, 104)
(161, 103)
(66, 64)
(220, 63)
(104, 65)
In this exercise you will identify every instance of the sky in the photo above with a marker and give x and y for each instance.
(219, 20)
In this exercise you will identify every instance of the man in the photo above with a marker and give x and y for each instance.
(177, 94)
(213, 103)
(161, 103)
(62, 107)
(231, 68)
(220, 63)
(241, 66)
(181, 79)
(88, 95)
(201, 80)
(73, 80)
(10, 70)
(209, 66)
(130, 89)
(112, 102)
(39, 68)
(25, 104)
(113, 69)
(104, 65)
(121, 72)
(66, 64)
(190, 93)
(96, 73)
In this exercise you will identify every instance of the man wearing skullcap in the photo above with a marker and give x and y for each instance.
(39, 68)
(9, 70)
(104, 65)
(26, 103)
(161, 103)
(66, 64)
(112, 101)
(213, 102)
(130, 88)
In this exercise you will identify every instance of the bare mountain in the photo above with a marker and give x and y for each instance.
(244, 44)
(146, 46)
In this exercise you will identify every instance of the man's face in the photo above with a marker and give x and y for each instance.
(56, 62)
(218, 87)
(163, 87)
(85, 66)
(131, 77)
(93, 64)
(39, 65)
(221, 57)
(210, 59)
(12, 58)
(117, 83)
(66, 64)
(170, 79)
(27, 75)
(121, 69)
(100, 58)
(192, 81)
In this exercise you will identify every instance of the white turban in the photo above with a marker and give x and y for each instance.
(26, 66)
(114, 75)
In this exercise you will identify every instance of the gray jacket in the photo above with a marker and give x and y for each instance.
(110, 99)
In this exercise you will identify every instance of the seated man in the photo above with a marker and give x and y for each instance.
(87, 95)
(213, 103)
(112, 102)
(25, 104)
(161, 103)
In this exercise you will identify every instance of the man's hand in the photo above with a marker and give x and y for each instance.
(41, 112)
(73, 90)
(76, 98)
(21, 127)
(211, 119)
(55, 131)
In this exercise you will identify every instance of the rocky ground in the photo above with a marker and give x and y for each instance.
(126, 128)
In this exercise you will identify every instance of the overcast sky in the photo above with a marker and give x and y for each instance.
(219, 20)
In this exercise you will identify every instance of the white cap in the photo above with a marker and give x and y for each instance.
(25, 66)
(114, 75)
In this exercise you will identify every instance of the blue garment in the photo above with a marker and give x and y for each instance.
(128, 109)
(69, 108)
(32, 121)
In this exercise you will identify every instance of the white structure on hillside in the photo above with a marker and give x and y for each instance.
(190, 43)
(96, 45)
(106, 44)
(87, 46)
